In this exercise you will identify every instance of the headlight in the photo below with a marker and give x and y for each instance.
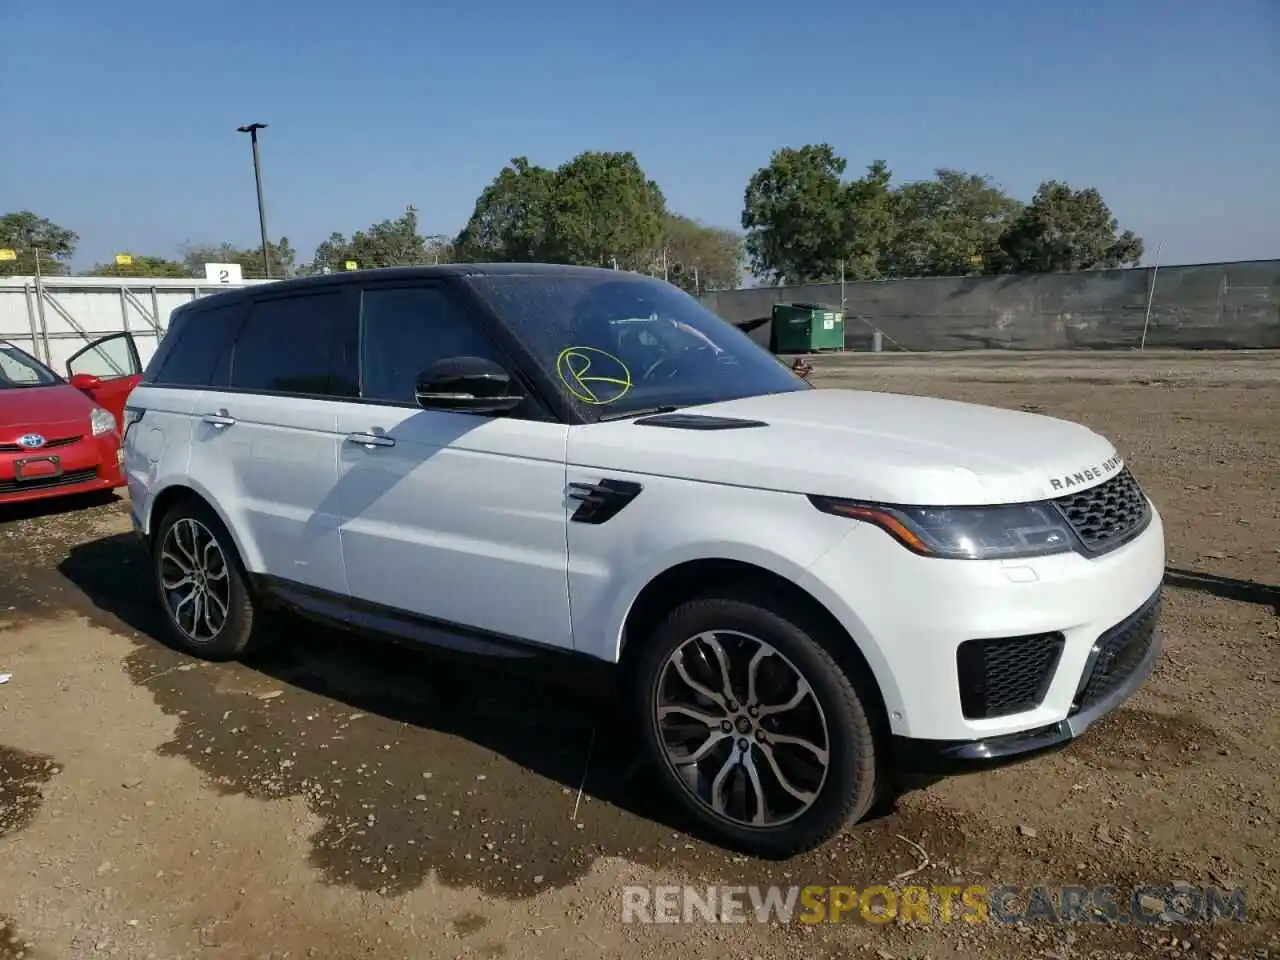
(102, 421)
(964, 533)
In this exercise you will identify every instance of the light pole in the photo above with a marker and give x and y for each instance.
(252, 130)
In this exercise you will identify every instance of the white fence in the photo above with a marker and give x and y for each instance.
(53, 317)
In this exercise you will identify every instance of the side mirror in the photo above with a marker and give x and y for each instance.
(85, 381)
(467, 384)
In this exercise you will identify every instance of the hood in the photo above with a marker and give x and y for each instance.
(864, 445)
(48, 411)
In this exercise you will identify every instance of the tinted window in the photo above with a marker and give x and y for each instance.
(408, 328)
(616, 342)
(196, 350)
(304, 344)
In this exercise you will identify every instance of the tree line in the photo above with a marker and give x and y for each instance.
(803, 221)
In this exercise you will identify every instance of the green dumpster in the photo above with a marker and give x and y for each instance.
(806, 328)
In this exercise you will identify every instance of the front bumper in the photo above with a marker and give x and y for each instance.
(89, 465)
(910, 616)
(917, 756)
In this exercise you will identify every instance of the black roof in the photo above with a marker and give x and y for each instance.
(431, 271)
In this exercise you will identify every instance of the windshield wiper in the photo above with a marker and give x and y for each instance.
(639, 412)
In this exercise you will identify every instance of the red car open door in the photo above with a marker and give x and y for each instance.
(107, 370)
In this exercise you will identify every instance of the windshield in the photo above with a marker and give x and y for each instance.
(20, 369)
(618, 342)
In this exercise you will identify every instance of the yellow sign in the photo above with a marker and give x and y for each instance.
(610, 381)
(8, 255)
(124, 259)
(352, 265)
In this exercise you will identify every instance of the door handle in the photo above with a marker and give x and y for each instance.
(370, 440)
(219, 419)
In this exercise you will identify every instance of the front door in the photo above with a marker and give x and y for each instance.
(457, 518)
(107, 370)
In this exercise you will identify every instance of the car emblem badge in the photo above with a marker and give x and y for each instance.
(32, 441)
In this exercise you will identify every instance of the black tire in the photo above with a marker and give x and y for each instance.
(237, 631)
(850, 786)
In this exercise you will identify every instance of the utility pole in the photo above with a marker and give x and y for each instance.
(252, 130)
(1151, 295)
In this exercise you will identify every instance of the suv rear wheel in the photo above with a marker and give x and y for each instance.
(755, 728)
(201, 583)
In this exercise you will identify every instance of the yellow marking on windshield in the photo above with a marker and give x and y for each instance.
(573, 365)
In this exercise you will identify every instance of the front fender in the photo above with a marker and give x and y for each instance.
(673, 522)
(630, 589)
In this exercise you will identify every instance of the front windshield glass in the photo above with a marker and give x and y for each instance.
(20, 369)
(618, 343)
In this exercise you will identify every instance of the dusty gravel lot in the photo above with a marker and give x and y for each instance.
(342, 799)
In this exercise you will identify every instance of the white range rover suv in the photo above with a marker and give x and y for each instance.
(802, 590)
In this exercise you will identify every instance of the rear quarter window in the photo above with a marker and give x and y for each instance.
(196, 352)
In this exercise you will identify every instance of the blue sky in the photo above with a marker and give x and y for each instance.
(119, 120)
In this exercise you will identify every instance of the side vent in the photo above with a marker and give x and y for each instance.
(696, 421)
(601, 502)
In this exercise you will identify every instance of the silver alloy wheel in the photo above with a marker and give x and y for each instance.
(742, 728)
(194, 580)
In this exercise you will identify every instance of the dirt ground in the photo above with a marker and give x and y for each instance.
(337, 798)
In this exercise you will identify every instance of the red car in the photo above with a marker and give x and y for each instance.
(62, 436)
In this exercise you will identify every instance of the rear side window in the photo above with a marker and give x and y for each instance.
(196, 350)
(306, 344)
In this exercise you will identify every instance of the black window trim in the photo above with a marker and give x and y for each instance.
(536, 380)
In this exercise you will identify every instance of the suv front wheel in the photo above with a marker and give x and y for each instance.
(201, 583)
(754, 727)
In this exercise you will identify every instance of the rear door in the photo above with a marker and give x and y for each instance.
(107, 370)
(266, 445)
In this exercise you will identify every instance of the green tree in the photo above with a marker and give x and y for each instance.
(1065, 229)
(795, 214)
(948, 226)
(511, 217)
(29, 235)
(142, 266)
(868, 223)
(604, 210)
(699, 257)
(283, 258)
(391, 243)
(596, 209)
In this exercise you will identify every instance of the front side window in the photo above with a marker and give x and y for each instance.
(306, 344)
(406, 329)
(617, 342)
(19, 369)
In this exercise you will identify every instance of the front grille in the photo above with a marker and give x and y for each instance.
(1119, 652)
(44, 483)
(60, 442)
(1007, 675)
(1108, 515)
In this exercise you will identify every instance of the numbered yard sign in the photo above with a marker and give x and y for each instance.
(223, 273)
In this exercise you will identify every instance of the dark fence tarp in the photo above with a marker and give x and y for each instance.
(1207, 306)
